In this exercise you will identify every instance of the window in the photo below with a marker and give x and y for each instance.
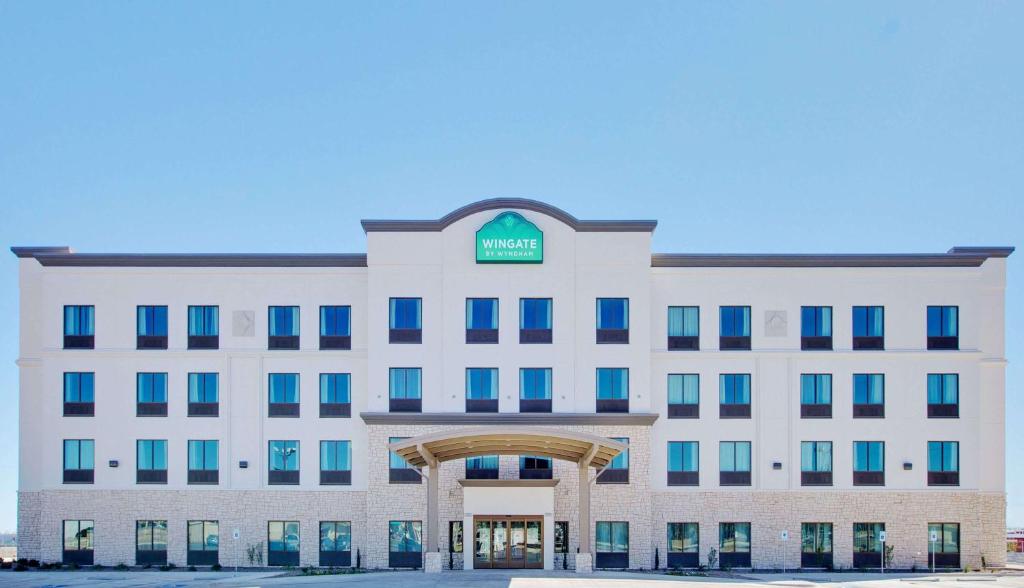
(404, 390)
(405, 320)
(335, 327)
(943, 395)
(684, 327)
(202, 394)
(683, 396)
(151, 461)
(151, 327)
(79, 455)
(613, 320)
(734, 396)
(400, 471)
(815, 395)
(816, 327)
(335, 543)
(944, 552)
(683, 463)
(335, 321)
(816, 463)
(535, 390)
(683, 545)
(734, 545)
(734, 327)
(203, 327)
(284, 462)
(612, 390)
(612, 544)
(734, 463)
(535, 320)
(283, 543)
(481, 390)
(868, 463)
(284, 395)
(150, 542)
(203, 457)
(561, 536)
(151, 394)
(79, 327)
(482, 467)
(455, 536)
(405, 544)
(481, 320)
(612, 313)
(943, 327)
(335, 462)
(867, 546)
(79, 394)
(943, 463)
(534, 467)
(78, 542)
(283, 327)
(816, 545)
(335, 395)
(868, 327)
(868, 395)
(203, 539)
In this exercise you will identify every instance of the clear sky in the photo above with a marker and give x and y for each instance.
(741, 127)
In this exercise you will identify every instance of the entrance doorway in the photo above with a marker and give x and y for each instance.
(508, 541)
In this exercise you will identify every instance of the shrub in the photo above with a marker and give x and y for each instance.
(98, 566)
(74, 566)
(215, 567)
(33, 563)
(6, 565)
(191, 568)
(20, 567)
(121, 567)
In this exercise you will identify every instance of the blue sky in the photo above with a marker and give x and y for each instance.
(741, 127)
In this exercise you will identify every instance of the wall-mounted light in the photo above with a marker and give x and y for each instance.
(112, 463)
(243, 464)
(776, 465)
(907, 465)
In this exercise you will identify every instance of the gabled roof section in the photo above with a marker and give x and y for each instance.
(635, 226)
(64, 256)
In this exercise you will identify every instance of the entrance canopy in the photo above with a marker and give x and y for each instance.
(581, 448)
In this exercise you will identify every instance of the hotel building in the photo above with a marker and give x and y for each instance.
(509, 386)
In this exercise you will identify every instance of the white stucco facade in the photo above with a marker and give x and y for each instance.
(582, 261)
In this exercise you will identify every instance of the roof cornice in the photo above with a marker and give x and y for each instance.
(612, 226)
(956, 257)
(63, 256)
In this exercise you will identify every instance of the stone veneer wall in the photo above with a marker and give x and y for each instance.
(906, 515)
(114, 513)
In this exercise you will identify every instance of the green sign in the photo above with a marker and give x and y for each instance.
(509, 238)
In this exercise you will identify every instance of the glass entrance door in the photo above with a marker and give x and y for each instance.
(508, 542)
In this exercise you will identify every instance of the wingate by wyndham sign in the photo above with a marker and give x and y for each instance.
(509, 238)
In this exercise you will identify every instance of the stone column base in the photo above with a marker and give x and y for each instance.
(433, 563)
(584, 563)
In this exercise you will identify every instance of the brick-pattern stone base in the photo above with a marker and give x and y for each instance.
(905, 513)
(906, 516)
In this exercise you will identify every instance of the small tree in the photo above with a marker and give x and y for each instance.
(889, 555)
(712, 558)
(255, 554)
